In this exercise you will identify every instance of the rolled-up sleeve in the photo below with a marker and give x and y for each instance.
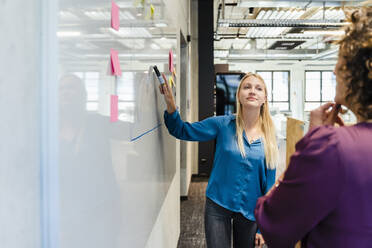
(198, 131)
(309, 191)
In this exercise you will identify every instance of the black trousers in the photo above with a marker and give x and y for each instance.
(220, 222)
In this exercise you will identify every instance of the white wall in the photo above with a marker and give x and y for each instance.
(179, 14)
(20, 94)
(189, 12)
(165, 233)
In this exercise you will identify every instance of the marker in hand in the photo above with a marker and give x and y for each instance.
(166, 91)
(161, 80)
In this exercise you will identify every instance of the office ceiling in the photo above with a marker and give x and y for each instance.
(278, 30)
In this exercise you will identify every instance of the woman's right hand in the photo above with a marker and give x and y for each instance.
(323, 116)
(168, 95)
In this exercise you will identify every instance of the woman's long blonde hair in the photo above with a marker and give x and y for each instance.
(267, 126)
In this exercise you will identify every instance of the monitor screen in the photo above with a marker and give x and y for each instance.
(226, 87)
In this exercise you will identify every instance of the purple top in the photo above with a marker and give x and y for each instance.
(325, 197)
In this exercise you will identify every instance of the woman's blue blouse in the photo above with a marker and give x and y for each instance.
(235, 182)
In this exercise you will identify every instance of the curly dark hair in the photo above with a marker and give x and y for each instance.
(356, 49)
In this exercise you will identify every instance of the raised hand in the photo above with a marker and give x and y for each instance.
(323, 115)
(168, 95)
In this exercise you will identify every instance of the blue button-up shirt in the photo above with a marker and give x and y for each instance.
(235, 182)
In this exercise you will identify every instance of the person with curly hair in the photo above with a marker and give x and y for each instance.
(324, 197)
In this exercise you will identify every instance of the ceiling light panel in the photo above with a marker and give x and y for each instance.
(98, 15)
(68, 16)
(273, 15)
(267, 14)
(85, 46)
(61, 34)
(261, 14)
(130, 32)
(133, 43)
(290, 15)
(155, 46)
(166, 43)
(329, 14)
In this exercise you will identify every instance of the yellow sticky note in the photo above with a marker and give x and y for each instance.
(174, 72)
(170, 80)
(152, 11)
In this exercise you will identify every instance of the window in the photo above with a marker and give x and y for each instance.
(126, 93)
(319, 88)
(90, 80)
(277, 83)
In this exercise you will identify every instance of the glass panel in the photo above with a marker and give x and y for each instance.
(92, 106)
(126, 111)
(102, 162)
(79, 74)
(311, 105)
(126, 87)
(92, 75)
(91, 86)
(312, 91)
(328, 86)
(280, 86)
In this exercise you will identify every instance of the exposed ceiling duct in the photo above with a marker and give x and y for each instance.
(283, 23)
(297, 3)
(296, 54)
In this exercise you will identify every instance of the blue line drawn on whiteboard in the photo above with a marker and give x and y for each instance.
(134, 139)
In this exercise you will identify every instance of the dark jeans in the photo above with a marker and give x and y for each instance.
(218, 223)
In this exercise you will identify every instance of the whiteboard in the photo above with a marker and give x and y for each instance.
(113, 176)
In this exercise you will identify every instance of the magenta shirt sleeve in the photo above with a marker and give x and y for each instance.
(308, 193)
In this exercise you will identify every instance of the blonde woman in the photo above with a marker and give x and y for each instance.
(244, 163)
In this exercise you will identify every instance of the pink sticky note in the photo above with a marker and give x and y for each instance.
(170, 61)
(115, 63)
(115, 23)
(114, 108)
